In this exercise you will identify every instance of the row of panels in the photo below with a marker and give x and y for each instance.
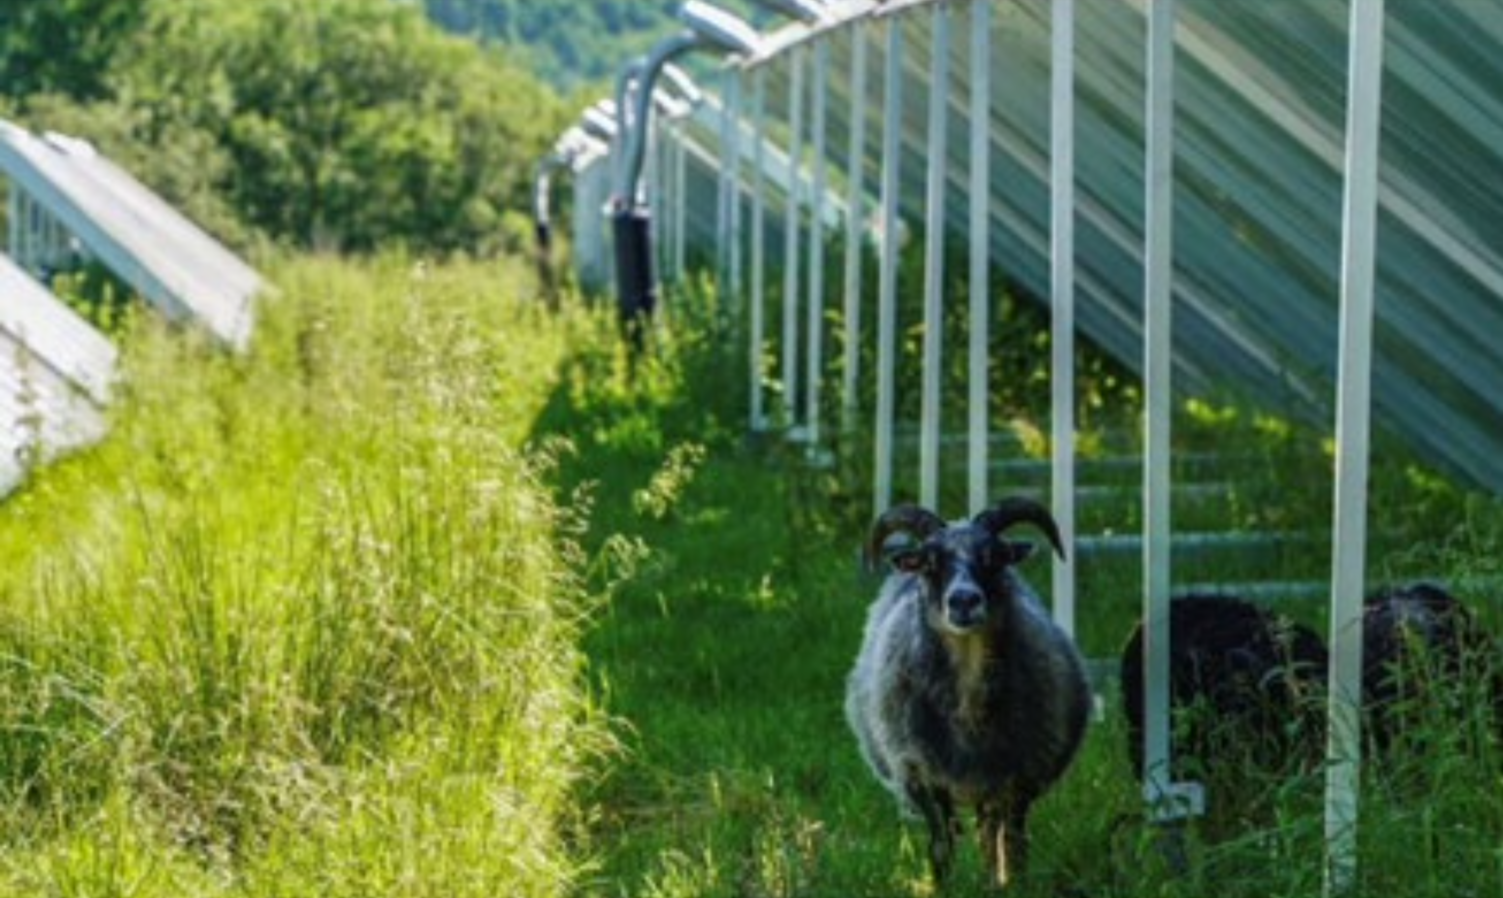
(1258, 144)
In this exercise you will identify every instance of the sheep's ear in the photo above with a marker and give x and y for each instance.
(1016, 551)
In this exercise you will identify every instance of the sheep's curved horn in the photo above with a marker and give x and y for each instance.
(905, 518)
(1017, 510)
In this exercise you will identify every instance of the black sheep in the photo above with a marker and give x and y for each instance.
(1423, 652)
(1244, 689)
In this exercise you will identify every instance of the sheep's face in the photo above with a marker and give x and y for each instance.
(962, 574)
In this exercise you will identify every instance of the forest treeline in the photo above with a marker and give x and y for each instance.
(568, 43)
(571, 43)
(342, 125)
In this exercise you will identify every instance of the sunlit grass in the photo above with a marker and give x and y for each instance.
(726, 647)
(308, 621)
(345, 617)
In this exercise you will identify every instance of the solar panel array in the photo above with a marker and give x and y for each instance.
(1203, 165)
(67, 203)
(55, 375)
(1259, 105)
(170, 261)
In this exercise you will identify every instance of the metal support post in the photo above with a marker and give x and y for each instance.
(1353, 409)
(978, 449)
(1062, 282)
(854, 229)
(1158, 266)
(679, 175)
(791, 233)
(934, 254)
(758, 246)
(888, 250)
(816, 304)
(734, 197)
(725, 183)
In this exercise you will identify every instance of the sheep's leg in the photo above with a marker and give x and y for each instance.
(939, 813)
(1014, 845)
(989, 831)
(1003, 828)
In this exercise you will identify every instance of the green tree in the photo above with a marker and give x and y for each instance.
(348, 123)
(62, 46)
(570, 42)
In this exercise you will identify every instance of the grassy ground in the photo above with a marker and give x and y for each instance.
(308, 622)
(344, 617)
(735, 611)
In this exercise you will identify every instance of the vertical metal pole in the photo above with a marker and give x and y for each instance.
(673, 197)
(657, 192)
(672, 200)
(733, 200)
(22, 225)
(758, 244)
(887, 277)
(680, 201)
(45, 242)
(13, 221)
(1062, 281)
(817, 239)
(602, 258)
(582, 214)
(610, 201)
(980, 271)
(791, 234)
(725, 184)
(29, 241)
(57, 243)
(648, 193)
(854, 227)
(1157, 289)
(934, 254)
(1353, 408)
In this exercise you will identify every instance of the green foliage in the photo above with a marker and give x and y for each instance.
(342, 125)
(62, 46)
(569, 43)
(347, 123)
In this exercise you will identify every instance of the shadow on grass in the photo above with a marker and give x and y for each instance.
(721, 647)
(731, 610)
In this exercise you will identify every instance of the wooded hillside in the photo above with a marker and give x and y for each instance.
(341, 125)
(568, 43)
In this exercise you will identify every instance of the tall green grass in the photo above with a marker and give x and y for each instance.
(311, 622)
(308, 621)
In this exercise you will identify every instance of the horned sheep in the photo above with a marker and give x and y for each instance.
(965, 691)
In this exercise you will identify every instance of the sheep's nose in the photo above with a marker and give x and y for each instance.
(965, 608)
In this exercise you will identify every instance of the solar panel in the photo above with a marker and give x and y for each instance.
(1260, 95)
(170, 261)
(55, 375)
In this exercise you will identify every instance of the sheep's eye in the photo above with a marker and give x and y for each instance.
(909, 561)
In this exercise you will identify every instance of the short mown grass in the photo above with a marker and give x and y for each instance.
(735, 611)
